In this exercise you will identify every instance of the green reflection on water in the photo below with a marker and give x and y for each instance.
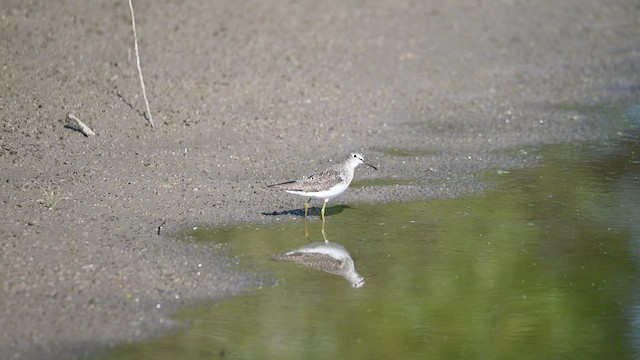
(545, 266)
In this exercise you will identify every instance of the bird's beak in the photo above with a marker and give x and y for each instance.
(371, 166)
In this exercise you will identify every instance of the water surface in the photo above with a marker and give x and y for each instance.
(546, 265)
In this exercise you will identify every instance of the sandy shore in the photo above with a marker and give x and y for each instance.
(244, 94)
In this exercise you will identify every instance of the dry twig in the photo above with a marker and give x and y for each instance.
(161, 225)
(144, 90)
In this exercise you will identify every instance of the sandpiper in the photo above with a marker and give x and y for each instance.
(325, 256)
(325, 184)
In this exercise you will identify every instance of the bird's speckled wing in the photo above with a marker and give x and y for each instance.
(314, 182)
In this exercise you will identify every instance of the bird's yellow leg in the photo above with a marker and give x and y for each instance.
(322, 211)
(306, 208)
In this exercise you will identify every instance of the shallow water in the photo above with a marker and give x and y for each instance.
(547, 265)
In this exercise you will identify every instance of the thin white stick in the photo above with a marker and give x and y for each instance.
(144, 90)
(78, 125)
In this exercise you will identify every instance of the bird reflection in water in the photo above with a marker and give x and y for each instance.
(325, 256)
